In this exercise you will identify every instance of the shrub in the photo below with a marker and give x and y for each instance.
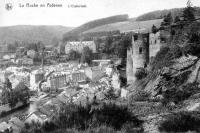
(165, 57)
(139, 96)
(177, 95)
(101, 129)
(140, 73)
(106, 117)
(181, 122)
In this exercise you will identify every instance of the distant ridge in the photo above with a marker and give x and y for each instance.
(159, 14)
(127, 26)
(48, 35)
(92, 24)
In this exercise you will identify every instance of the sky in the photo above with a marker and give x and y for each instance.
(68, 15)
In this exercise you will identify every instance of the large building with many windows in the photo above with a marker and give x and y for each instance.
(79, 45)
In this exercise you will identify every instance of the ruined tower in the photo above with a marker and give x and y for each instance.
(138, 55)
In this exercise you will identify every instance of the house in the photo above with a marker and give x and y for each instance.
(101, 62)
(35, 77)
(31, 53)
(37, 116)
(78, 77)
(24, 61)
(109, 70)
(57, 81)
(124, 93)
(42, 115)
(6, 57)
(116, 83)
(49, 53)
(94, 73)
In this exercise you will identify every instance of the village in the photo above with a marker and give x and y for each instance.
(124, 81)
(53, 85)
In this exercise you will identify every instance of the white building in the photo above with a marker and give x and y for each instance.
(79, 45)
(35, 77)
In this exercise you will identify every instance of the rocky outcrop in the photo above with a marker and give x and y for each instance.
(185, 69)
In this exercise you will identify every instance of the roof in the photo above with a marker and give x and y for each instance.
(40, 115)
(99, 76)
(16, 121)
(48, 110)
(4, 126)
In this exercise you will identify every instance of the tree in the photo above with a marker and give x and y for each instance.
(86, 56)
(124, 44)
(108, 43)
(188, 13)
(22, 92)
(8, 95)
(168, 19)
(12, 47)
(154, 29)
(110, 94)
(12, 97)
(177, 19)
(74, 55)
(36, 57)
(7, 84)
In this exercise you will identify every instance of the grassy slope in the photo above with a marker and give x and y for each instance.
(126, 26)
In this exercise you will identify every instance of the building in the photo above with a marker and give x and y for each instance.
(155, 44)
(116, 83)
(94, 72)
(138, 55)
(78, 77)
(79, 45)
(16, 124)
(24, 61)
(49, 53)
(145, 46)
(61, 48)
(37, 116)
(31, 53)
(35, 77)
(57, 81)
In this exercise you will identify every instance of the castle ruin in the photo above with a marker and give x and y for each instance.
(144, 47)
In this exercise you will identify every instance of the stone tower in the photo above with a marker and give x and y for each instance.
(138, 55)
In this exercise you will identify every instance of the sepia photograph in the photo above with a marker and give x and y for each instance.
(99, 66)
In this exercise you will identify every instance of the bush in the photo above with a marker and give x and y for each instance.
(139, 96)
(140, 73)
(181, 122)
(179, 94)
(165, 57)
(107, 117)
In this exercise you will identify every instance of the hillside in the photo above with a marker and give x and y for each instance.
(27, 33)
(126, 26)
(161, 13)
(92, 24)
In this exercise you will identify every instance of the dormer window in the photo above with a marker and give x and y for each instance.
(140, 50)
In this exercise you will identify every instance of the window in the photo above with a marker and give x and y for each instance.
(155, 41)
(140, 50)
(135, 37)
